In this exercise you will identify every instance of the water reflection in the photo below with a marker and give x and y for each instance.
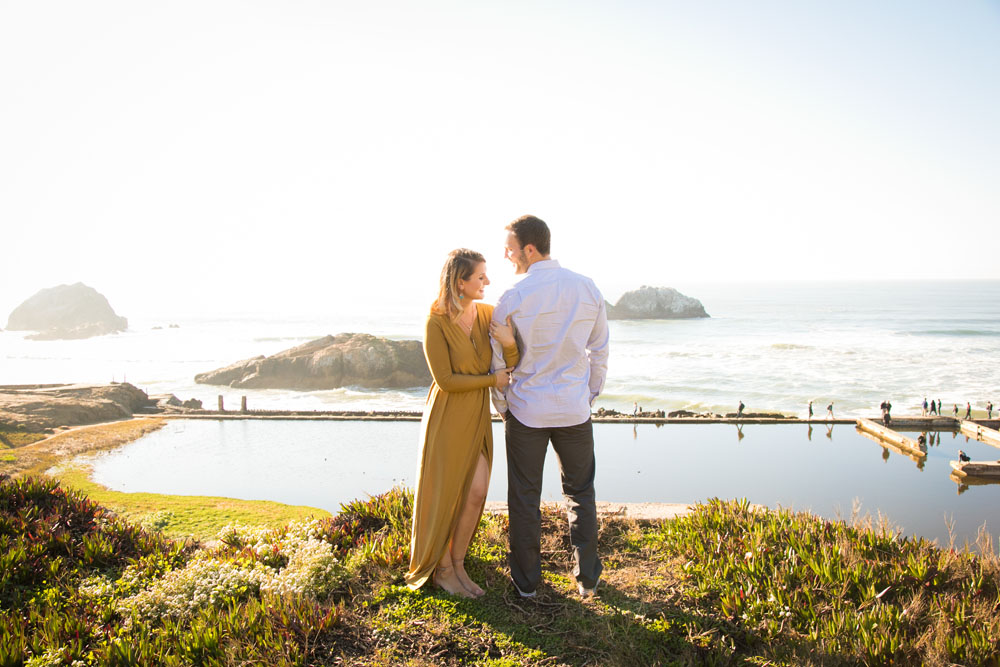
(322, 464)
(964, 482)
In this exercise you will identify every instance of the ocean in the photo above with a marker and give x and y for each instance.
(774, 346)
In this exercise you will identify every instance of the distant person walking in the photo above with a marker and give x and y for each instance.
(810, 410)
(739, 410)
(829, 411)
(934, 410)
(968, 410)
(955, 411)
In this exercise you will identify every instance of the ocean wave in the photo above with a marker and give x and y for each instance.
(952, 332)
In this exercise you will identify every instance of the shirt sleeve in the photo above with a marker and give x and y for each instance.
(597, 348)
(439, 362)
(503, 357)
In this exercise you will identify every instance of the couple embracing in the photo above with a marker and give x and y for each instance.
(543, 352)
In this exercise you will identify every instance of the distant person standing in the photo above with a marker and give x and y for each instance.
(739, 410)
(933, 407)
(968, 410)
(810, 410)
(989, 410)
(888, 408)
(829, 411)
(885, 414)
(635, 408)
(924, 412)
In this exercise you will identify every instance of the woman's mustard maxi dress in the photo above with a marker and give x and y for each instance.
(455, 430)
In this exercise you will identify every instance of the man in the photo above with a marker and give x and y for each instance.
(561, 326)
(739, 410)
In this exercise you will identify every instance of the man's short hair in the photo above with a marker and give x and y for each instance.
(530, 230)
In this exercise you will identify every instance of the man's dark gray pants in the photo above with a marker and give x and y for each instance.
(574, 447)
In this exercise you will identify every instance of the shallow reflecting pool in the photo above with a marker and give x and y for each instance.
(326, 463)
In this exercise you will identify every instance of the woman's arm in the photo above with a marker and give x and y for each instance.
(436, 351)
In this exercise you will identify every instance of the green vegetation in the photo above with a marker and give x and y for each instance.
(727, 584)
(17, 438)
(39, 457)
(199, 517)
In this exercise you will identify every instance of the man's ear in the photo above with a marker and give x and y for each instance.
(534, 250)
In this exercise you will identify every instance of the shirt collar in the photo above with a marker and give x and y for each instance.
(543, 264)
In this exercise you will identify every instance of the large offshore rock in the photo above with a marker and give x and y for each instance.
(347, 359)
(66, 312)
(46, 407)
(655, 303)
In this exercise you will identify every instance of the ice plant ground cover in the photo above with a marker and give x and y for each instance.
(728, 584)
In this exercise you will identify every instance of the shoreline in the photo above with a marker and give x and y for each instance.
(904, 423)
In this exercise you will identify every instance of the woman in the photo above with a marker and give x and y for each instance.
(456, 448)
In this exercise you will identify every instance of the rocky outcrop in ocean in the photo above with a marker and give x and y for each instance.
(38, 408)
(347, 359)
(66, 312)
(655, 303)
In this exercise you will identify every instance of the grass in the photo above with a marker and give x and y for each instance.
(39, 457)
(727, 584)
(15, 438)
(200, 517)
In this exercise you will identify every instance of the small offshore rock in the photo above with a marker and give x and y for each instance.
(66, 312)
(655, 303)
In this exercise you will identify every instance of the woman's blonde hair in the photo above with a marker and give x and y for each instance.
(460, 265)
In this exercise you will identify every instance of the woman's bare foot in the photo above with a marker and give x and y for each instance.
(469, 584)
(446, 579)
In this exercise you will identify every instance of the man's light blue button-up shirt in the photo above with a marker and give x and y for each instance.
(561, 327)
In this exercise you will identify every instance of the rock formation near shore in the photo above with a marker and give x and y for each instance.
(66, 312)
(39, 408)
(655, 303)
(347, 359)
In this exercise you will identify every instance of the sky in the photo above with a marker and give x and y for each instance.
(223, 157)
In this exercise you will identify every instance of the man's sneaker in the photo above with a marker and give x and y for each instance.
(522, 593)
(587, 592)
